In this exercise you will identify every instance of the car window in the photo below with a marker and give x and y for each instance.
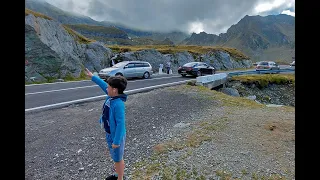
(190, 64)
(145, 65)
(141, 64)
(120, 64)
(263, 63)
(138, 65)
(130, 65)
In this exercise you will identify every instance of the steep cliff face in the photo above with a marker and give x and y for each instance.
(42, 61)
(53, 52)
(219, 59)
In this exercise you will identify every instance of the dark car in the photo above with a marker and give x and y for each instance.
(196, 69)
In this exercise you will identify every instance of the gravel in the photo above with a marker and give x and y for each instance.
(68, 143)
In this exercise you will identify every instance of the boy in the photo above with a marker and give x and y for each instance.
(113, 119)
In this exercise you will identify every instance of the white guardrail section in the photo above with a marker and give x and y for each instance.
(212, 81)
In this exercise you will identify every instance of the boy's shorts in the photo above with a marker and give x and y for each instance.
(117, 153)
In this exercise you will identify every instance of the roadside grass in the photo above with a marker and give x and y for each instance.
(170, 49)
(155, 165)
(201, 131)
(36, 14)
(95, 28)
(80, 38)
(264, 80)
(68, 77)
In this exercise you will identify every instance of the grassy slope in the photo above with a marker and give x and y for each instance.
(181, 48)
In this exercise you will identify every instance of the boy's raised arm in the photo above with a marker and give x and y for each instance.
(103, 85)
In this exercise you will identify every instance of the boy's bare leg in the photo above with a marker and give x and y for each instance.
(120, 169)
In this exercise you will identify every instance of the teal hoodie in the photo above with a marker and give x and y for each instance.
(116, 112)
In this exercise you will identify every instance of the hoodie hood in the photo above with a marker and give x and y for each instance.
(123, 97)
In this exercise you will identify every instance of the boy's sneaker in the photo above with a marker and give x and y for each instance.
(112, 177)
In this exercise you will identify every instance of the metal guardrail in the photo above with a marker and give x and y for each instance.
(212, 81)
(230, 74)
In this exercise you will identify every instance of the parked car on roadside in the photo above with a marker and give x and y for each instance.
(268, 66)
(196, 69)
(292, 64)
(256, 63)
(128, 69)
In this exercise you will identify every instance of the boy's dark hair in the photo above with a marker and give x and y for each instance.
(118, 82)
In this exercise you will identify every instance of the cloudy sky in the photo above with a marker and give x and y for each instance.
(211, 16)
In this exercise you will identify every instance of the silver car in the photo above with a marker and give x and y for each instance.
(128, 69)
(292, 64)
(268, 66)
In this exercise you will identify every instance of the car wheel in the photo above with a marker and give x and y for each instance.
(119, 74)
(146, 75)
(272, 71)
(213, 71)
(199, 73)
(183, 75)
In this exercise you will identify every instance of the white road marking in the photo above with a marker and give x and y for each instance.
(55, 83)
(57, 90)
(88, 80)
(97, 97)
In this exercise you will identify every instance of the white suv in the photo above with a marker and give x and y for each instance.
(128, 69)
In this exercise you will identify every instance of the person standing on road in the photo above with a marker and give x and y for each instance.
(168, 66)
(160, 68)
(113, 119)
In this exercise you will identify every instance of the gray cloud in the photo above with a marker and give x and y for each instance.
(216, 16)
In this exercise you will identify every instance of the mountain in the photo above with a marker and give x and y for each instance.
(78, 19)
(56, 51)
(99, 33)
(58, 14)
(259, 37)
(262, 38)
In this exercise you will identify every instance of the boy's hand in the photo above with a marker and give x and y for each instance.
(114, 146)
(89, 73)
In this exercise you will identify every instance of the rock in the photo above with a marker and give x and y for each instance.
(97, 56)
(230, 91)
(59, 80)
(181, 125)
(55, 53)
(273, 105)
(251, 97)
(258, 102)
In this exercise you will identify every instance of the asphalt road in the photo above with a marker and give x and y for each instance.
(52, 94)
